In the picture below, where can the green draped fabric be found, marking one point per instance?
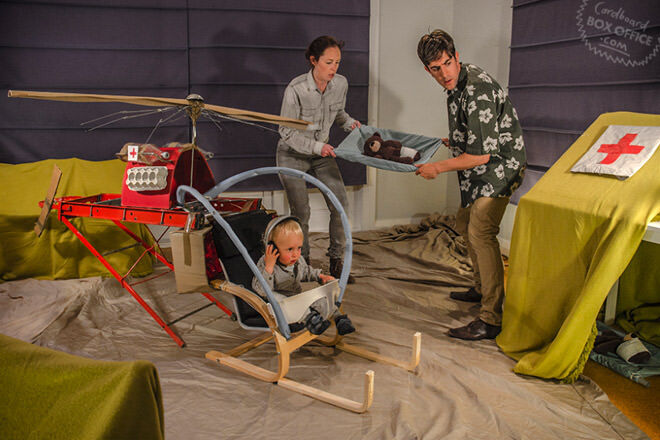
(573, 236)
(638, 308)
(48, 394)
(58, 254)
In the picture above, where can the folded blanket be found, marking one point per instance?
(638, 308)
(55, 395)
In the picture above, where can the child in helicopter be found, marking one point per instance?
(284, 269)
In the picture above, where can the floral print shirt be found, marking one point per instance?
(482, 120)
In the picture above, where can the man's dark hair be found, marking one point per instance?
(320, 44)
(431, 46)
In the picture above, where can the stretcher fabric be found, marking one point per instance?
(352, 147)
(573, 236)
(58, 254)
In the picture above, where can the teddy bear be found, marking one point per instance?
(392, 150)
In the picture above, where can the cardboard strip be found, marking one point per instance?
(48, 201)
(187, 259)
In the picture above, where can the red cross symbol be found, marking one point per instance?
(133, 151)
(613, 151)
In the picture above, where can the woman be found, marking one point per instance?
(318, 96)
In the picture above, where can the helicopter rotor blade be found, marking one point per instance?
(246, 115)
(90, 97)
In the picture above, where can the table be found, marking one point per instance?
(652, 235)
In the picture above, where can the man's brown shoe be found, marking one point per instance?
(470, 296)
(476, 330)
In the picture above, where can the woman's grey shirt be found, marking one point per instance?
(303, 100)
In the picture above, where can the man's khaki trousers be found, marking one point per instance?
(479, 224)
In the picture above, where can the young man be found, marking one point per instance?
(485, 139)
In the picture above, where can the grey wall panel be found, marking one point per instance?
(571, 61)
(234, 53)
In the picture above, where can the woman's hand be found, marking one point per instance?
(445, 141)
(356, 124)
(328, 150)
(270, 258)
(326, 278)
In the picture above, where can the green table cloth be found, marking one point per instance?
(48, 394)
(573, 236)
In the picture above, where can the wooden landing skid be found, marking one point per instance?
(285, 348)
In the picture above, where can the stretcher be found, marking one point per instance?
(352, 147)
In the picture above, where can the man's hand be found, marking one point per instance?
(326, 278)
(356, 124)
(270, 258)
(427, 170)
(328, 150)
(445, 142)
(463, 162)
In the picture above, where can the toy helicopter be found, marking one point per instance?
(173, 186)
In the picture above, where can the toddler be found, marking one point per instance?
(284, 269)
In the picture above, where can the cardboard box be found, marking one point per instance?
(188, 253)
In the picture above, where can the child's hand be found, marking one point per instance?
(270, 257)
(326, 278)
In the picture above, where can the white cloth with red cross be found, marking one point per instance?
(620, 151)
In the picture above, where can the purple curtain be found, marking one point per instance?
(572, 60)
(234, 53)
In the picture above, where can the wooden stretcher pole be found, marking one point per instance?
(333, 399)
(284, 355)
(284, 349)
(335, 340)
(254, 343)
(364, 353)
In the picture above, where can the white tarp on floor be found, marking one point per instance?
(460, 390)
